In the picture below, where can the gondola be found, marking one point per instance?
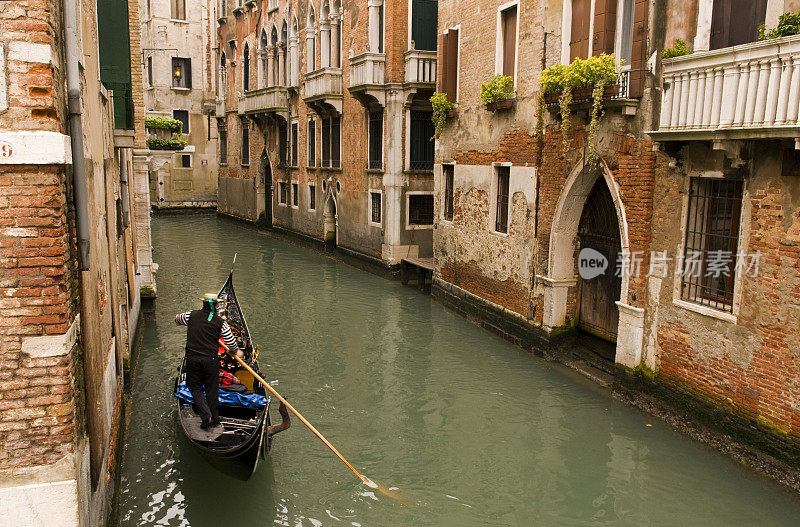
(245, 434)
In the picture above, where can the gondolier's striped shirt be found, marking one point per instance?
(226, 334)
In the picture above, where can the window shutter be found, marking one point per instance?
(605, 23)
(735, 22)
(639, 48)
(424, 21)
(451, 88)
(579, 33)
(444, 63)
(509, 40)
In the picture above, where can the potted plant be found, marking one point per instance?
(442, 109)
(498, 93)
(166, 133)
(581, 81)
(788, 24)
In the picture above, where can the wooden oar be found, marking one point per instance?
(368, 482)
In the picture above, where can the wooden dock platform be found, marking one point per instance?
(423, 267)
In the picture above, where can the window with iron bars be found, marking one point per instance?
(447, 175)
(331, 147)
(376, 140)
(223, 146)
(375, 198)
(295, 195)
(295, 146)
(712, 239)
(420, 209)
(312, 143)
(501, 215)
(422, 131)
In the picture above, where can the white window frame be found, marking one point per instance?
(618, 34)
(493, 199)
(458, 65)
(312, 163)
(409, 226)
(369, 206)
(498, 46)
(443, 189)
(309, 186)
(279, 194)
(295, 184)
(566, 29)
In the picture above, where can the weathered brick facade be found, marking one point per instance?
(343, 201)
(64, 327)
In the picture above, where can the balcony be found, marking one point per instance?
(420, 68)
(324, 87)
(750, 91)
(219, 110)
(265, 100)
(367, 76)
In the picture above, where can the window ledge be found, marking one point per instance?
(178, 21)
(414, 227)
(705, 310)
(222, 164)
(282, 204)
(178, 88)
(498, 233)
(418, 172)
(331, 169)
(374, 171)
(246, 165)
(376, 225)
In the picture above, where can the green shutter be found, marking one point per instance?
(424, 22)
(115, 58)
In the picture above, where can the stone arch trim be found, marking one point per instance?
(567, 215)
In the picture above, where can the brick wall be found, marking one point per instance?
(37, 297)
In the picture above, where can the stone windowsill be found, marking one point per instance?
(705, 310)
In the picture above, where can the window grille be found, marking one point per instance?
(501, 216)
(422, 145)
(376, 207)
(447, 172)
(223, 146)
(295, 154)
(312, 197)
(312, 143)
(420, 209)
(245, 143)
(295, 197)
(712, 238)
(376, 140)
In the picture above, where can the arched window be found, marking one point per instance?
(283, 70)
(311, 51)
(273, 58)
(325, 35)
(223, 77)
(294, 54)
(262, 59)
(336, 35)
(246, 68)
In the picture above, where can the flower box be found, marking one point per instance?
(505, 104)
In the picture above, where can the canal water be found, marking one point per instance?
(470, 429)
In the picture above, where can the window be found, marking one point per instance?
(312, 196)
(450, 64)
(150, 71)
(181, 73)
(331, 127)
(295, 149)
(245, 143)
(223, 146)
(246, 68)
(380, 28)
(283, 193)
(421, 140)
(712, 240)
(420, 209)
(295, 196)
(625, 38)
(508, 35)
(424, 20)
(447, 176)
(501, 214)
(375, 209)
(736, 22)
(376, 140)
(178, 11)
(185, 161)
(223, 77)
(183, 117)
(312, 143)
(283, 145)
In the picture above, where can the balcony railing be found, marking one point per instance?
(264, 100)
(323, 82)
(367, 69)
(220, 108)
(420, 67)
(746, 91)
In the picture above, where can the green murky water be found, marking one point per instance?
(471, 430)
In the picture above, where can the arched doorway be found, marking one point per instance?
(330, 222)
(266, 178)
(598, 230)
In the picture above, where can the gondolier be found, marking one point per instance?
(204, 329)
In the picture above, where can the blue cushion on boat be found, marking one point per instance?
(226, 398)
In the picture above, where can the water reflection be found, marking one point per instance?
(472, 430)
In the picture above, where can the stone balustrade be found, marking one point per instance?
(323, 82)
(367, 69)
(741, 92)
(420, 67)
(264, 100)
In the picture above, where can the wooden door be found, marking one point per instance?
(579, 34)
(598, 312)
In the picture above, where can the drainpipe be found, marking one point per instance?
(76, 133)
